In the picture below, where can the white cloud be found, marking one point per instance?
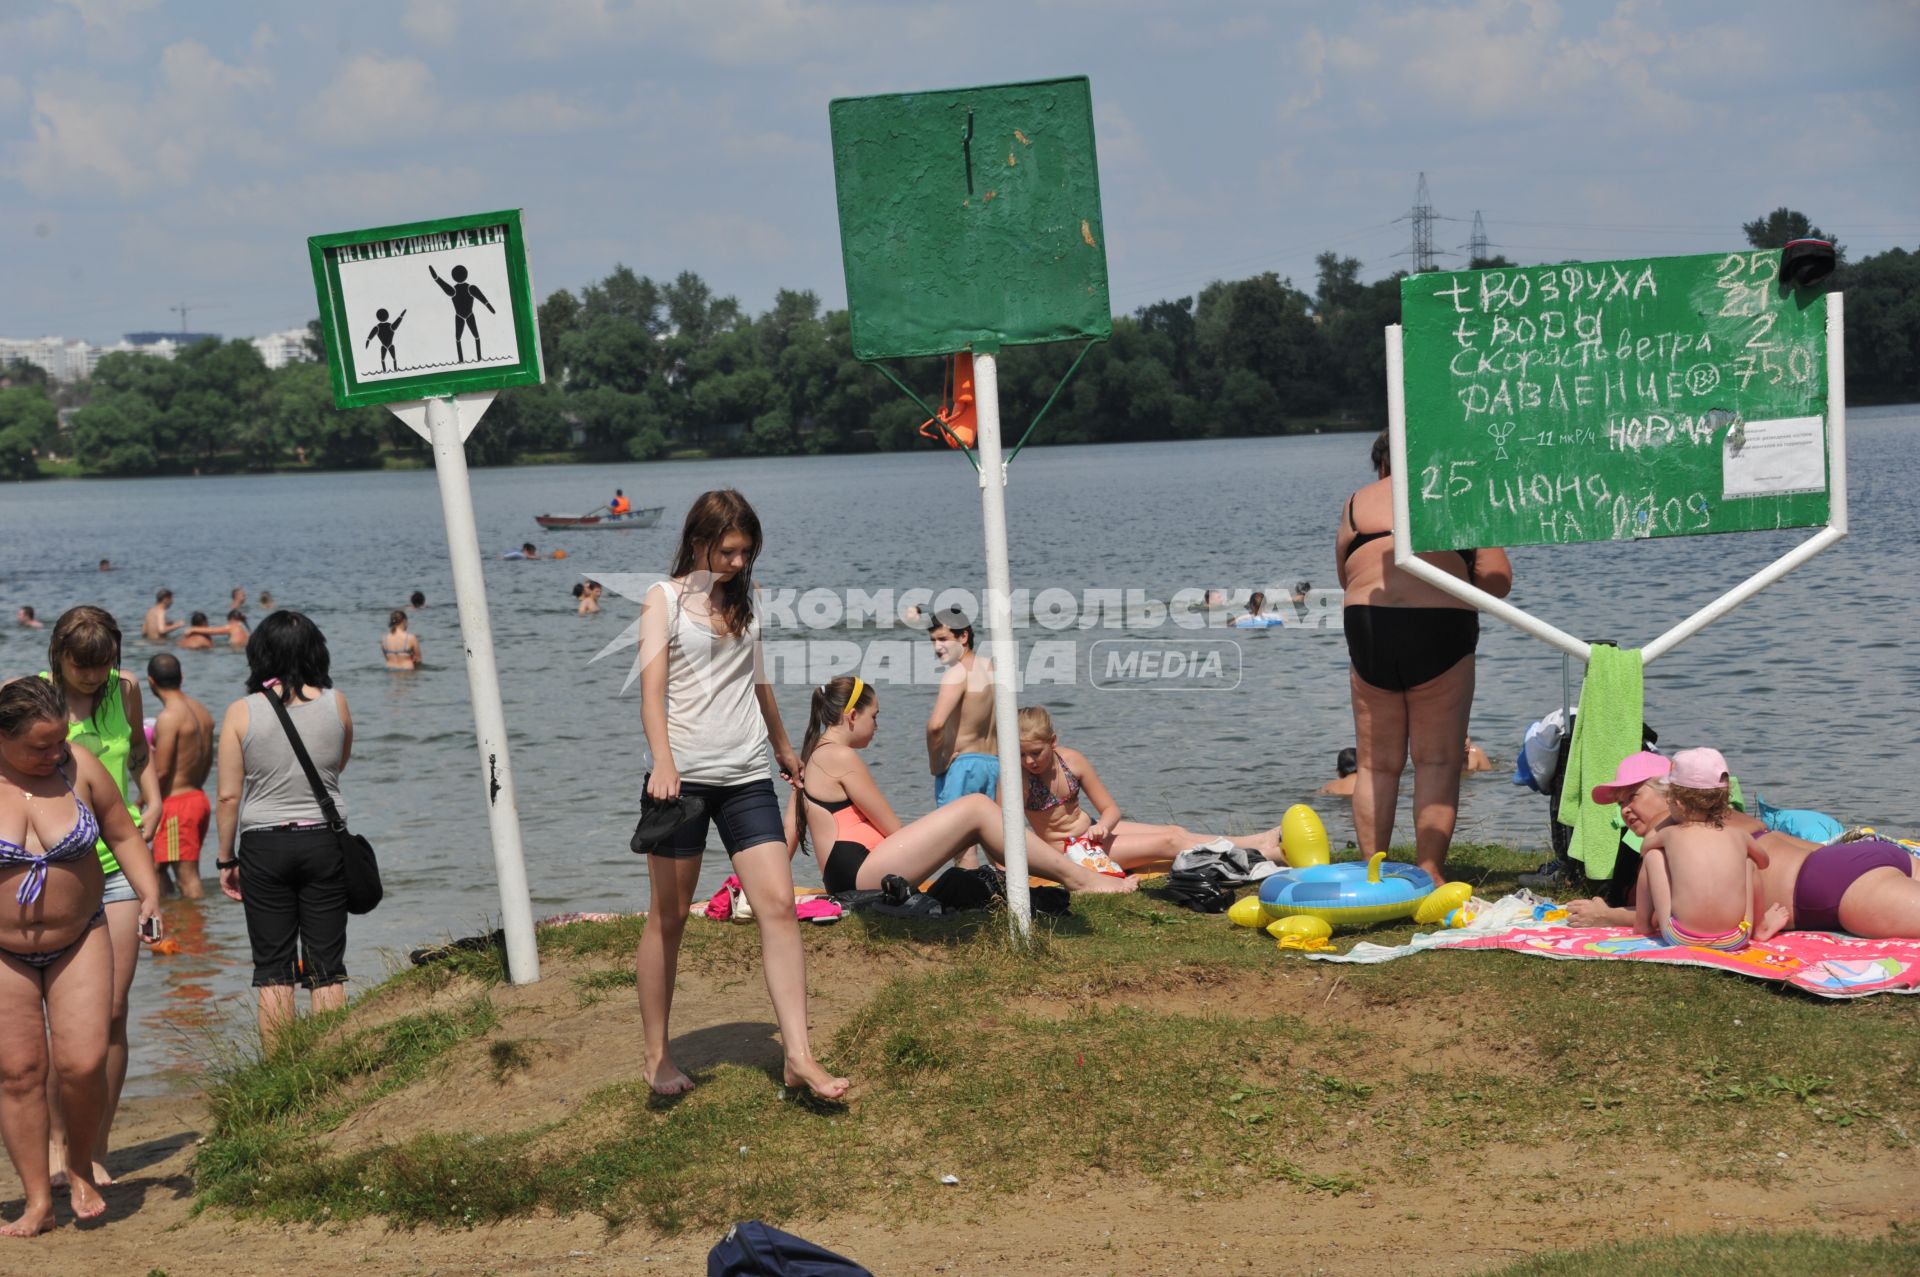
(374, 99)
(108, 13)
(88, 133)
(435, 21)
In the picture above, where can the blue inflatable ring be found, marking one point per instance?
(1258, 623)
(1347, 894)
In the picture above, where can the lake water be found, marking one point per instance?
(1804, 688)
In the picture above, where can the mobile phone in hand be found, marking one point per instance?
(150, 928)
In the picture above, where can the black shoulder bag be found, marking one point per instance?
(362, 870)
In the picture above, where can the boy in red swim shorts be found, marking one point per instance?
(182, 757)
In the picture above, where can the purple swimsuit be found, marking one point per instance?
(1827, 873)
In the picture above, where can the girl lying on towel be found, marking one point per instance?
(1057, 778)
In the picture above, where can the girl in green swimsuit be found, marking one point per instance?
(104, 717)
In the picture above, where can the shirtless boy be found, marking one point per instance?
(962, 751)
(195, 639)
(182, 756)
(156, 627)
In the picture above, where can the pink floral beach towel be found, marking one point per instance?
(1822, 963)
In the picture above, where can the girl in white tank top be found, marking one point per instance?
(709, 721)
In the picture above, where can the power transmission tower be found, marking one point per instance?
(1477, 246)
(1422, 217)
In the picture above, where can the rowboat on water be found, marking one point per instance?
(600, 522)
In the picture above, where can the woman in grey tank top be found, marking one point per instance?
(277, 855)
(709, 722)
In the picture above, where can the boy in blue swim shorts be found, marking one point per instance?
(962, 751)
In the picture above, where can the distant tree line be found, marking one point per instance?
(641, 369)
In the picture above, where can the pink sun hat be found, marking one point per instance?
(1699, 769)
(1633, 769)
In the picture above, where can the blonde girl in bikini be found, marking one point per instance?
(1057, 778)
(853, 829)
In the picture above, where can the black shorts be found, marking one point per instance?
(747, 815)
(1395, 648)
(293, 886)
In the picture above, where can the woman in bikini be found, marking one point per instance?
(56, 963)
(859, 840)
(1057, 778)
(401, 649)
(1412, 648)
(709, 719)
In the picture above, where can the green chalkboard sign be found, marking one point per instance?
(970, 217)
(1611, 401)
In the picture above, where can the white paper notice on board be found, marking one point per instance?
(1774, 458)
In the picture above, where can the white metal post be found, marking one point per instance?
(1004, 649)
(483, 682)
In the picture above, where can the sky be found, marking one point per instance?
(155, 155)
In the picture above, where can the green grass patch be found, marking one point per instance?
(1131, 1038)
(1751, 1254)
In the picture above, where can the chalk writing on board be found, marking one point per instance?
(1592, 401)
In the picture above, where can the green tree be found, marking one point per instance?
(28, 424)
(1783, 224)
(1883, 327)
(115, 434)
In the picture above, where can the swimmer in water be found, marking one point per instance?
(588, 592)
(385, 331)
(1346, 766)
(26, 619)
(1477, 760)
(156, 628)
(1254, 604)
(464, 295)
(195, 639)
(417, 601)
(235, 629)
(401, 649)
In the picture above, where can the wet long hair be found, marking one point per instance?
(709, 519)
(829, 707)
(85, 635)
(289, 647)
(26, 701)
(1382, 455)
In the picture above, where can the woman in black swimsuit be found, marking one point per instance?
(1412, 682)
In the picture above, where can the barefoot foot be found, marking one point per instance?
(1107, 884)
(86, 1199)
(666, 1079)
(101, 1179)
(810, 1074)
(1772, 923)
(33, 1221)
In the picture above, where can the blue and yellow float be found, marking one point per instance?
(1348, 894)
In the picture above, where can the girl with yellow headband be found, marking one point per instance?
(853, 829)
(709, 721)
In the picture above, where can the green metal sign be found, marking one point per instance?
(426, 309)
(970, 217)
